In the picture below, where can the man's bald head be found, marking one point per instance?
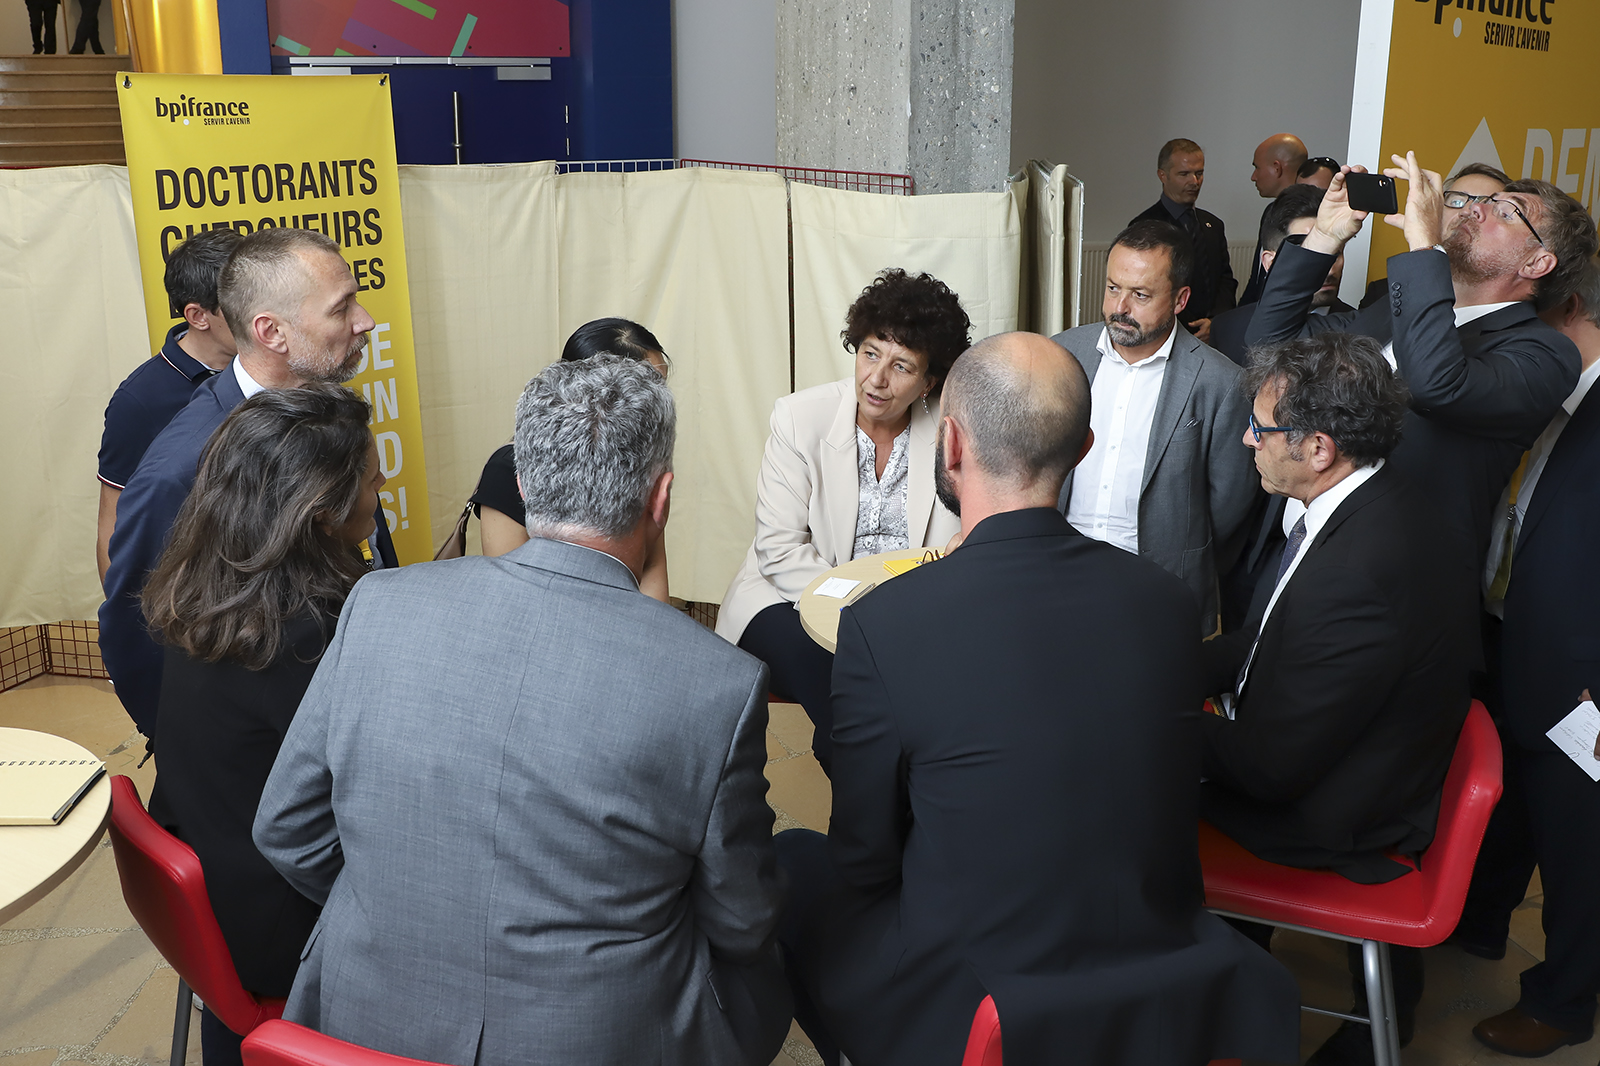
(1023, 403)
(1277, 163)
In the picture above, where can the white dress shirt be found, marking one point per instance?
(1316, 517)
(1507, 524)
(1105, 487)
(247, 384)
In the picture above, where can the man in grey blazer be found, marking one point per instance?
(530, 799)
(1167, 477)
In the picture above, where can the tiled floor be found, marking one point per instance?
(80, 983)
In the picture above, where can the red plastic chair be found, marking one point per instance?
(166, 891)
(280, 1043)
(1412, 911)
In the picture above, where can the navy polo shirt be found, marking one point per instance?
(144, 403)
(145, 513)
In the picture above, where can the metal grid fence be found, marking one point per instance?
(853, 180)
(68, 649)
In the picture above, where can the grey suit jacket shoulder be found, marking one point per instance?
(533, 803)
(1199, 478)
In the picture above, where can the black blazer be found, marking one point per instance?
(1550, 643)
(222, 726)
(1349, 718)
(1480, 394)
(1014, 769)
(1212, 287)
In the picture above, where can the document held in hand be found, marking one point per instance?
(1575, 734)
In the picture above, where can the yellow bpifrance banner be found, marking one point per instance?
(1510, 83)
(253, 152)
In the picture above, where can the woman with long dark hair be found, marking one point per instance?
(246, 597)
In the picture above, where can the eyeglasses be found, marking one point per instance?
(1257, 428)
(1458, 200)
(1317, 162)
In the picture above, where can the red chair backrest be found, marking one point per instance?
(1471, 789)
(166, 891)
(283, 1043)
(983, 1042)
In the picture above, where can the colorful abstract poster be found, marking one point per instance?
(523, 28)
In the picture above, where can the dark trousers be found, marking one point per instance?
(42, 22)
(802, 671)
(219, 1045)
(1405, 967)
(88, 29)
(1563, 813)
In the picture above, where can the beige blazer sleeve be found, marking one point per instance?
(806, 498)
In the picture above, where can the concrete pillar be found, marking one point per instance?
(908, 86)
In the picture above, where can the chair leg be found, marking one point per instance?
(1380, 1003)
(180, 1024)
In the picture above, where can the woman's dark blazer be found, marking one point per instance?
(221, 727)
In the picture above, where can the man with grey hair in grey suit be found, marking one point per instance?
(530, 799)
(1167, 477)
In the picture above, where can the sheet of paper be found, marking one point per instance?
(1575, 735)
(837, 587)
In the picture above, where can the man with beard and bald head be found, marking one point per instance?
(1166, 478)
(1015, 781)
(1459, 326)
(290, 301)
(1274, 167)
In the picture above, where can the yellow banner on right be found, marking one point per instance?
(1511, 83)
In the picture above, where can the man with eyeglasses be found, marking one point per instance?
(1274, 167)
(1344, 694)
(1459, 326)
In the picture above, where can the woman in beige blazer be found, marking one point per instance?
(848, 471)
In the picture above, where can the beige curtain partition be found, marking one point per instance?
(71, 328)
(970, 241)
(505, 261)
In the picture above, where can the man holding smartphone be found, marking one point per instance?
(1485, 373)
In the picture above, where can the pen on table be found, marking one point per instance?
(857, 594)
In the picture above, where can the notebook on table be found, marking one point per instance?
(44, 791)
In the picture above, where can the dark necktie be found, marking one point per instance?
(1297, 537)
(1191, 223)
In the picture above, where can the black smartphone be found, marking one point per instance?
(1372, 192)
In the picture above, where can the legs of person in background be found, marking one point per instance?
(1558, 994)
(219, 1045)
(813, 885)
(42, 23)
(802, 670)
(88, 29)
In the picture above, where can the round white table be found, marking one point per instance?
(819, 615)
(36, 858)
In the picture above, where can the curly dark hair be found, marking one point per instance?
(920, 313)
(1334, 383)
